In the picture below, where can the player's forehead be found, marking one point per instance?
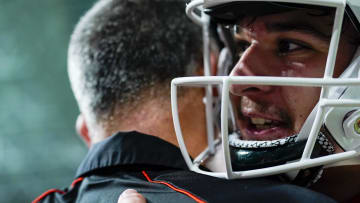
(308, 21)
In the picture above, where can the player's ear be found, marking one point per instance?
(82, 130)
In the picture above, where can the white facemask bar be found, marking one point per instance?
(208, 99)
(324, 102)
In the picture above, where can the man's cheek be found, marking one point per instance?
(300, 102)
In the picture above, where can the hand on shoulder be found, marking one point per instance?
(131, 196)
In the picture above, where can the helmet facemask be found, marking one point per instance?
(258, 138)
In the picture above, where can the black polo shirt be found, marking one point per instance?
(157, 170)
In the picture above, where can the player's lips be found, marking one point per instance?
(257, 126)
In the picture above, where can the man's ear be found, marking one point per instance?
(82, 130)
(213, 66)
(214, 63)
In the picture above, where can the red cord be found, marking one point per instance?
(47, 193)
(76, 181)
(56, 190)
(198, 200)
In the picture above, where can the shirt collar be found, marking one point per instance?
(126, 148)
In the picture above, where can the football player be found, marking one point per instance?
(287, 84)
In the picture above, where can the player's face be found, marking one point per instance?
(292, 44)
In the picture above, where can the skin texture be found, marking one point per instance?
(292, 44)
(153, 116)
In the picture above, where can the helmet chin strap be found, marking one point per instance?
(309, 176)
(248, 155)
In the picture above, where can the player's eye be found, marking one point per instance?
(290, 46)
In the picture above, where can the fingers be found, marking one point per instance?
(131, 196)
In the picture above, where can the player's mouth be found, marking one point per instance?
(256, 127)
(259, 128)
(259, 121)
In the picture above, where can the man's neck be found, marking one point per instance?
(341, 182)
(152, 117)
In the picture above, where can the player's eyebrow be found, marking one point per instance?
(297, 27)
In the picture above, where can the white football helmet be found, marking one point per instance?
(335, 116)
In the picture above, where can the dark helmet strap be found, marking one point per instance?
(309, 176)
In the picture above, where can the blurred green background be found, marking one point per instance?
(39, 148)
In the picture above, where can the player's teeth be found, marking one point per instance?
(260, 121)
(262, 127)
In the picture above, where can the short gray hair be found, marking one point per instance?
(122, 47)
